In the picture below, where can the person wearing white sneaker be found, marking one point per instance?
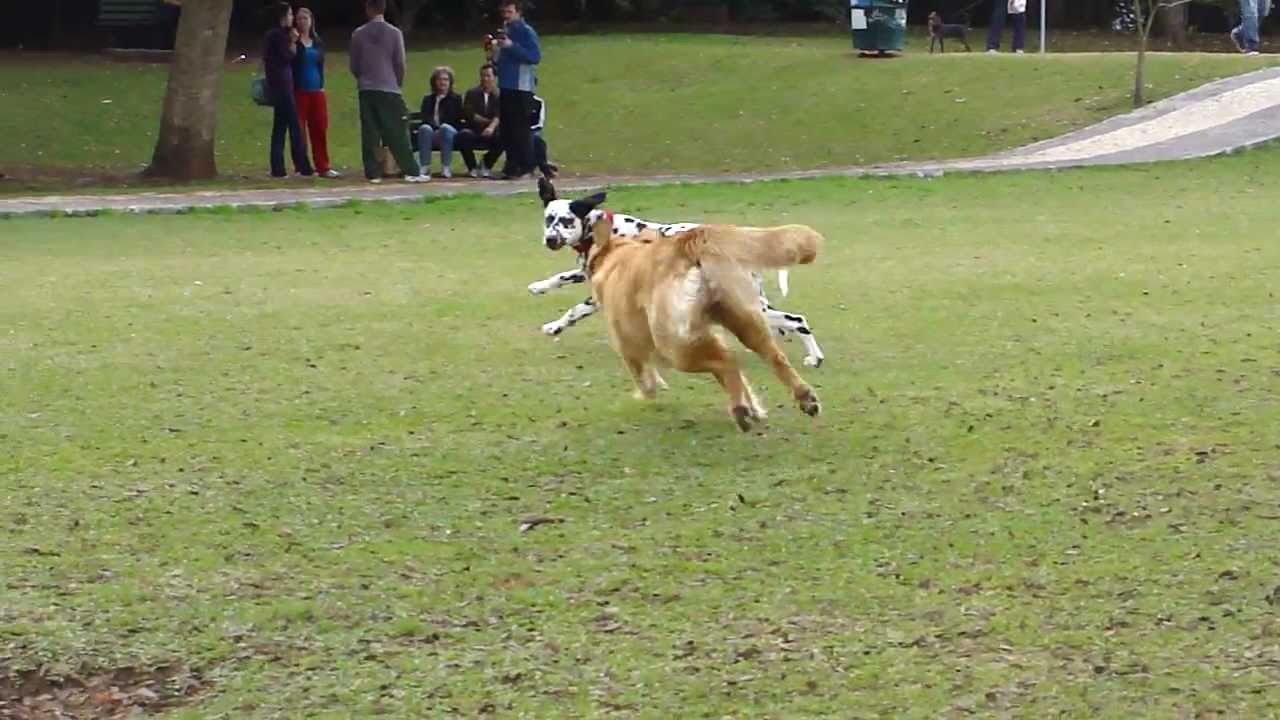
(377, 60)
(480, 115)
(441, 118)
(308, 90)
(1247, 35)
(1015, 11)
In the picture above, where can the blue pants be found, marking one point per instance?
(999, 12)
(1249, 30)
(285, 120)
(441, 139)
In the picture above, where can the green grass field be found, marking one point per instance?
(287, 456)
(622, 105)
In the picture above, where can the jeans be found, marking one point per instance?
(285, 120)
(999, 13)
(430, 138)
(1251, 14)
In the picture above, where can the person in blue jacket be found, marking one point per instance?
(516, 52)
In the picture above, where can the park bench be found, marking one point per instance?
(128, 13)
(414, 120)
(137, 23)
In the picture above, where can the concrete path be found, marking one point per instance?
(1221, 117)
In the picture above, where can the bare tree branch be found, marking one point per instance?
(1144, 22)
(1147, 20)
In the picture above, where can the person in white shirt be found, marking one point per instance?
(1016, 13)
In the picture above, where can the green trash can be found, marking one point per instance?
(879, 26)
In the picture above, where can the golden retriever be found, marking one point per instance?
(663, 301)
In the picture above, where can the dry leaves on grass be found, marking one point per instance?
(123, 693)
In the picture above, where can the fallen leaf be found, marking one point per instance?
(529, 523)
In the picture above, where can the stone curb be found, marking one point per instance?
(1233, 136)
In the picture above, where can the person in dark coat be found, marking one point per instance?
(441, 121)
(278, 50)
(480, 115)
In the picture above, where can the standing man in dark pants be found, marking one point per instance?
(516, 51)
(377, 61)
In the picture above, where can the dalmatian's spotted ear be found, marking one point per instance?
(546, 191)
(586, 205)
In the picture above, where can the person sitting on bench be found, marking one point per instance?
(480, 115)
(441, 119)
(537, 122)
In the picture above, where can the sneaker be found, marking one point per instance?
(484, 170)
(446, 172)
(417, 178)
(1236, 40)
(375, 181)
(1251, 53)
(1019, 52)
(331, 173)
(474, 172)
(993, 51)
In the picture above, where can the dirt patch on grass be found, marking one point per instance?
(120, 693)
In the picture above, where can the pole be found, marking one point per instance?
(1042, 27)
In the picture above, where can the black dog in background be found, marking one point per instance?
(940, 31)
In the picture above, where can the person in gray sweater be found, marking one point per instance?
(377, 61)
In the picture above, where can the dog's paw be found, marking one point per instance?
(539, 288)
(552, 328)
(808, 402)
(813, 361)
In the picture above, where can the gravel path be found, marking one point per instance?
(1221, 117)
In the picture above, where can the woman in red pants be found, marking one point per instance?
(308, 84)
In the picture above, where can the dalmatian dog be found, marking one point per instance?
(568, 224)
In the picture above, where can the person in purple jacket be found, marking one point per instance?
(278, 50)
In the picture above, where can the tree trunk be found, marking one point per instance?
(1138, 80)
(184, 149)
(1057, 12)
(408, 19)
(473, 18)
(1173, 25)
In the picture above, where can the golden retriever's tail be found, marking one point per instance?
(728, 255)
(750, 248)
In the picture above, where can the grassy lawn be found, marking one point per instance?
(287, 457)
(622, 105)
